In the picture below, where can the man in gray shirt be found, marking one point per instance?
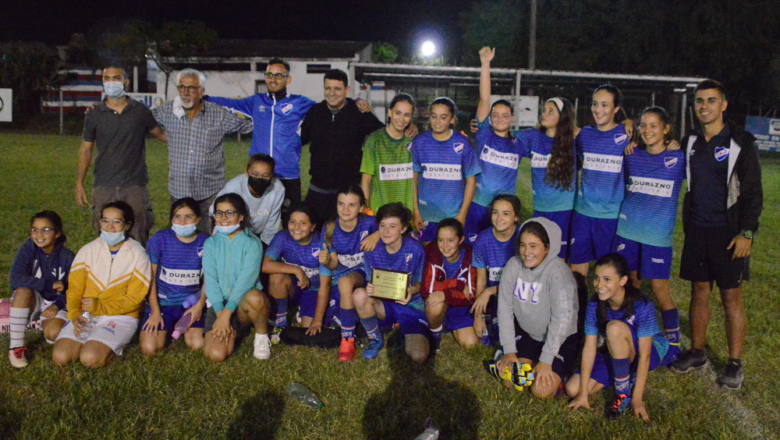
(195, 130)
(118, 128)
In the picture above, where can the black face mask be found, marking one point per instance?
(258, 185)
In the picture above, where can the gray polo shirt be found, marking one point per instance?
(120, 140)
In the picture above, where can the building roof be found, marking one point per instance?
(287, 49)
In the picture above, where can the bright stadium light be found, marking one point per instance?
(428, 48)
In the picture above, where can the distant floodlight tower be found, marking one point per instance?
(428, 49)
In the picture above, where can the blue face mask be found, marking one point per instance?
(114, 89)
(112, 238)
(184, 230)
(227, 230)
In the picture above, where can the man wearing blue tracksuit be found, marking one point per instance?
(277, 116)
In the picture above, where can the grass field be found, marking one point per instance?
(179, 394)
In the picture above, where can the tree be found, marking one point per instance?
(138, 41)
(384, 53)
(29, 68)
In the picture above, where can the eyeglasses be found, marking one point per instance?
(108, 222)
(226, 214)
(44, 231)
(188, 89)
(269, 75)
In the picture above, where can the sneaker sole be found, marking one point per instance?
(729, 387)
(689, 369)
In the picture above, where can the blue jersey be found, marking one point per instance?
(547, 198)
(283, 247)
(347, 245)
(602, 186)
(410, 258)
(451, 270)
(492, 255)
(649, 211)
(443, 167)
(179, 266)
(499, 158)
(642, 323)
(276, 125)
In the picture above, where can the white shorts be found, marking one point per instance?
(114, 331)
(42, 304)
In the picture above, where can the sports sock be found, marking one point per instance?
(671, 320)
(18, 320)
(371, 324)
(622, 376)
(281, 312)
(437, 332)
(349, 318)
(737, 362)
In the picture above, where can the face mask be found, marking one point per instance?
(227, 230)
(114, 89)
(258, 185)
(112, 238)
(184, 230)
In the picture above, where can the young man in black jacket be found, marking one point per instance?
(336, 129)
(720, 217)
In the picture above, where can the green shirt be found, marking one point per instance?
(389, 163)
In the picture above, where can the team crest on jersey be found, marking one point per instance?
(315, 252)
(721, 153)
(630, 321)
(287, 108)
(458, 147)
(200, 251)
(620, 138)
(472, 237)
(409, 257)
(621, 247)
(363, 235)
(485, 150)
(409, 146)
(670, 162)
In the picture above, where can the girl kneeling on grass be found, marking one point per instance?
(626, 319)
(175, 255)
(345, 239)
(39, 279)
(537, 308)
(231, 268)
(396, 252)
(109, 279)
(292, 260)
(449, 284)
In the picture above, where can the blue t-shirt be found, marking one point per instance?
(443, 167)
(499, 158)
(451, 270)
(492, 255)
(284, 247)
(347, 245)
(410, 258)
(602, 186)
(179, 266)
(547, 198)
(642, 323)
(649, 211)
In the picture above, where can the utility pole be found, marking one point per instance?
(532, 38)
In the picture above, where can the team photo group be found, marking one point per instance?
(405, 230)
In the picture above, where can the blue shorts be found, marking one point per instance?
(429, 232)
(602, 366)
(591, 238)
(563, 220)
(410, 320)
(171, 315)
(478, 219)
(456, 318)
(652, 262)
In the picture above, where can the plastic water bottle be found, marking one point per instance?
(431, 432)
(191, 300)
(182, 326)
(84, 335)
(304, 395)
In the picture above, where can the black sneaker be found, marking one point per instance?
(732, 377)
(619, 407)
(689, 361)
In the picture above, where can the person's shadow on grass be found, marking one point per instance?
(259, 418)
(414, 394)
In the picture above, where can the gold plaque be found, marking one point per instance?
(390, 284)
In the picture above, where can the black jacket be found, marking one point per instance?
(745, 199)
(336, 143)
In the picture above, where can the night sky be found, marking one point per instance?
(403, 23)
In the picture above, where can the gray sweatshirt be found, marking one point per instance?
(543, 300)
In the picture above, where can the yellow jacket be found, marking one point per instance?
(119, 286)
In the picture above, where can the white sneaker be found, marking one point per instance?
(17, 357)
(262, 347)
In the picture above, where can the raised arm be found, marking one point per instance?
(486, 55)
